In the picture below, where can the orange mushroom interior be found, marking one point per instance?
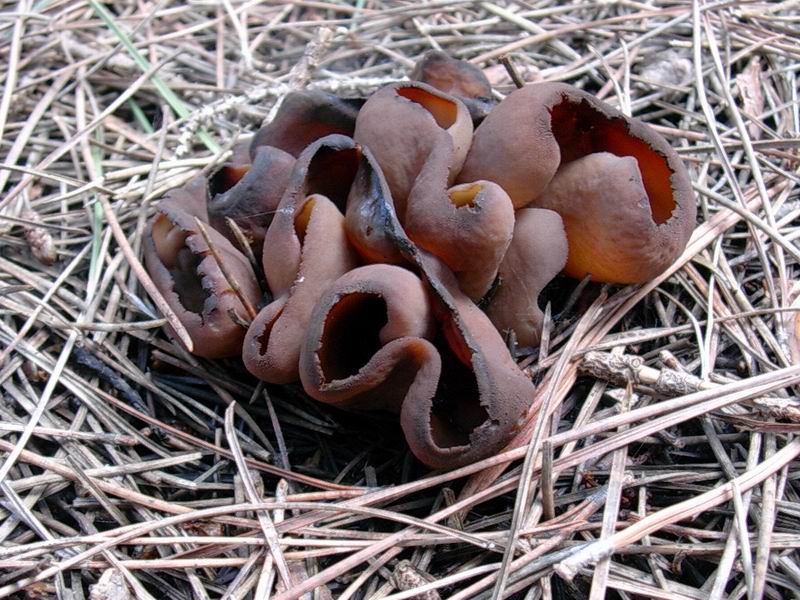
(181, 262)
(302, 219)
(464, 197)
(580, 129)
(442, 110)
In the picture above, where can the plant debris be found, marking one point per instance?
(618, 488)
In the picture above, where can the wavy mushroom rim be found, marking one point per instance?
(456, 77)
(404, 124)
(273, 342)
(361, 331)
(304, 117)
(583, 125)
(475, 407)
(333, 153)
(621, 189)
(183, 268)
(444, 110)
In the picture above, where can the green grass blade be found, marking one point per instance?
(169, 96)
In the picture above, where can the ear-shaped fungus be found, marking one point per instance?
(458, 78)
(367, 340)
(468, 226)
(305, 117)
(252, 200)
(305, 250)
(402, 124)
(372, 344)
(188, 276)
(624, 227)
(482, 396)
(538, 252)
(468, 395)
(621, 227)
(371, 221)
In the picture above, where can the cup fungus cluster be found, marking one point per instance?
(383, 224)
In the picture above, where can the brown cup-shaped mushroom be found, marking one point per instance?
(273, 341)
(538, 252)
(366, 339)
(515, 147)
(402, 124)
(482, 397)
(372, 343)
(328, 168)
(458, 78)
(251, 202)
(548, 127)
(468, 226)
(305, 250)
(189, 277)
(616, 233)
(305, 117)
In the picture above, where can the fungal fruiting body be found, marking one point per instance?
(381, 227)
(621, 190)
(403, 124)
(305, 250)
(188, 276)
(538, 252)
(379, 339)
(468, 226)
(304, 117)
(458, 78)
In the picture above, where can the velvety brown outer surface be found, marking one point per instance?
(471, 239)
(303, 118)
(538, 252)
(305, 250)
(252, 201)
(458, 78)
(514, 146)
(546, 127)
(213, 332)
(606, 214)
(501, 391)
(272, 344)
(402, 133)
(403, 356)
